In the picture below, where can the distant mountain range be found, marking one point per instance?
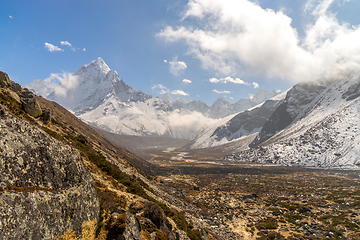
(315, 123)
(238, 125)
(221, 107)
(97, 95)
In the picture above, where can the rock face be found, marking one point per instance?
(293, 107)
(45, 189)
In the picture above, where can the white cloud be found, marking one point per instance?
(230, 37)
(10, 16)
(177, 67)
(179, 92)
(160, 86)
(251, 96)
(228, 79)
(165, 61)
(65, 43)
(84, 49)
(60, 83)
(50, 47)
(221, 92)
(256, 85)
(186, 81)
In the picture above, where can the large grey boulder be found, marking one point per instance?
(30, 104)
(45, 190)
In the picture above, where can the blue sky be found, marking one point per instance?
(200, 49)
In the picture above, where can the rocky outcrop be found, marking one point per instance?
(157, 216)
(45, 189)
(5, 82)
(30, 104)
(123, 225)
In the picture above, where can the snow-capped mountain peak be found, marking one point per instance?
(94, 71)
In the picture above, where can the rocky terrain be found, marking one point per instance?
(257, 202)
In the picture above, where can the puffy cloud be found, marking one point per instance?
(228, 79)
(10, 16)
(186, 81)
(59, 83)
(236, 36)
(165, 61)
(179, 92)
(256, 85)
(177, 67)
(221, 92)
(84, 49)
(50, 47)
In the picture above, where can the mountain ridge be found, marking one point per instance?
(315, 126)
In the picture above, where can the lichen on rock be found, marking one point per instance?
(45, 189)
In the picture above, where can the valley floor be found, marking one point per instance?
(268, 202)
(257, 201)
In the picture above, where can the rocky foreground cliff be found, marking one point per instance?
(61, 180)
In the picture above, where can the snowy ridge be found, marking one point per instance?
(322, 131)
